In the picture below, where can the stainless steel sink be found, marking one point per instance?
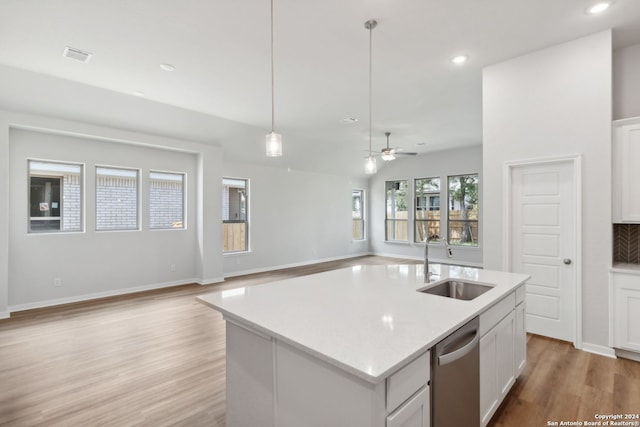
(458, 289)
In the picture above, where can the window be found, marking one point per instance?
(55, 197)
(235, 208)
(357, 207)
(463, 210)
(396, 212)
(166, 200)
(427, 213)
(116, 199)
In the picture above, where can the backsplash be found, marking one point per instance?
(626, 243)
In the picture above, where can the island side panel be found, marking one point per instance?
(250, 379)
(313, 393)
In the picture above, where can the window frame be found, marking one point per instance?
(60, 176)
(394, 220)
(362, 217)
(184, 199)
(246, 221)
(138, 174)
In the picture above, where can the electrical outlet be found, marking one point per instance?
(173, 267)
(57, 282)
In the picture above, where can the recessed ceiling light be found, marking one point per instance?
(599, 7)
(139, 94)
(349, 120)
(460, 59)
(167, 67)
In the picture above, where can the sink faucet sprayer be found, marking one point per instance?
(447, 248)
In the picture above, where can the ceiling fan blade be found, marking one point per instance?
(405, 153)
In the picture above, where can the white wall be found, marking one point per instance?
(556, 102)
(92, 264)
(442, 164)
(295, 218)
(626, 82)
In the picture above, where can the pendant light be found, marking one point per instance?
(370, 166)
(274, 140)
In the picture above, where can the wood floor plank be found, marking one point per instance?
(157, 358)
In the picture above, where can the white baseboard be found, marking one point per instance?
(97, 295)
(205, 282)
(295, 264)
(599, 349)
(628, 354)
(5, 314)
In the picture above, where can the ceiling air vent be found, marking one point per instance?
(76, 54)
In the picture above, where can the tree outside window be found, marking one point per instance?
(427, 209)
(463, 210)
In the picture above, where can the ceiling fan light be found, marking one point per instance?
(387, 156)
(370, 167)
(274, 144)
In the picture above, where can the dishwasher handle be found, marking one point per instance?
(447, 358)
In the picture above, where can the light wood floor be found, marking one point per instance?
(157, 359)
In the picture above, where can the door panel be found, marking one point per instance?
(543, 235)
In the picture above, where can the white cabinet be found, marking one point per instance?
(270, 383)
(502, 351)
(414, 413)
(626, 311)
(626, 152)
(521, 339)
(497, 366)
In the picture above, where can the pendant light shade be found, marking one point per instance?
(274, 144)
(273, 139)
(370, 167)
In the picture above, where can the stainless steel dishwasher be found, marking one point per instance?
(455, 381)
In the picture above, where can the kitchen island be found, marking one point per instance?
(350, 347)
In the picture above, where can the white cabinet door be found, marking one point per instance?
(414, 413)
(520, 339)
(497, 366)
(488, 377)
(626, 151)
(627, 311)
(505, 354)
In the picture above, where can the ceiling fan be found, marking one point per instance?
(389, 153)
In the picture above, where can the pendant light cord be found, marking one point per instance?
(370, 80)
(272, 76)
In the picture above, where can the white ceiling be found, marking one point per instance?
(220, 90)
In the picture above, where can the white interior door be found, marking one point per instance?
(543, 234)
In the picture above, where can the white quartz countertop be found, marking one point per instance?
(367, 320)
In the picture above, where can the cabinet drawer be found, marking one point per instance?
(492, 316)
(413, 413)
(521, 294)
(404, 383)
(626, 281)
